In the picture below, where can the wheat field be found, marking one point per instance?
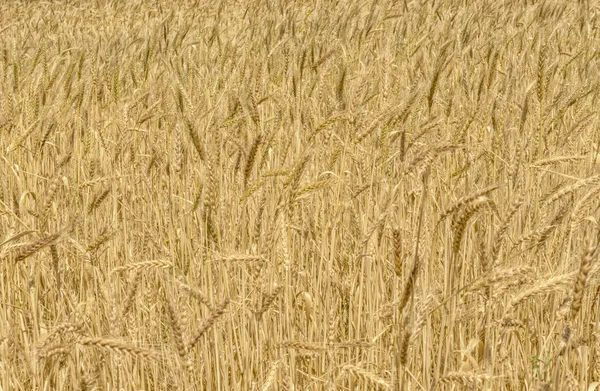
(316, 195)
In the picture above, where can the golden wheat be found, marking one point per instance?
(299, 195)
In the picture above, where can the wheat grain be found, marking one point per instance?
(464, 201)
(581, 279)
(208, 323)
(144, 265)
(33, 247)
(367, 375)
(118, 347)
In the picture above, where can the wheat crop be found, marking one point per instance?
(308, 195)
